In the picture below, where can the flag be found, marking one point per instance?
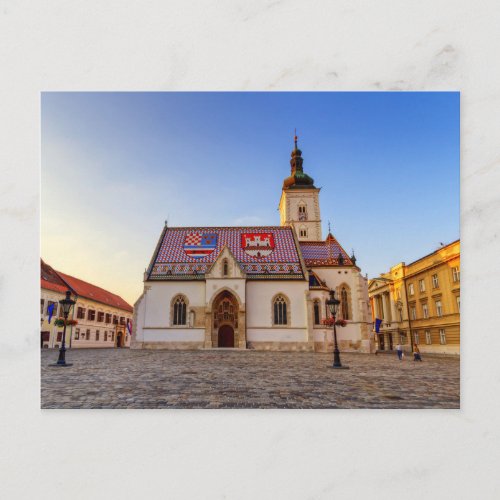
(129, 326)
(378, 322)
(50, 310)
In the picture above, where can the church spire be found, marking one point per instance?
(297, 179)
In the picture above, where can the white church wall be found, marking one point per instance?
(259, 305)
(159, 297)
(276, 335)
(174, 335)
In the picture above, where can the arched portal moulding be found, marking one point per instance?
(240, 340)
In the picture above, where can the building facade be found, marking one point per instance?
(103, 318)
(254, 287)
(420, 303)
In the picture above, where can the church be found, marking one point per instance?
(259, 287)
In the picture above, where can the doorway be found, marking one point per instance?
(119, 340)
(381, 341)
(226, 336)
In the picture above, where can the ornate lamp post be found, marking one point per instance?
(333, 305)
(66, 306)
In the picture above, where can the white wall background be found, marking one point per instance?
(240, 45)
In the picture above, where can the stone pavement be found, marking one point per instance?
(123, 378)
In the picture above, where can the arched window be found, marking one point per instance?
(302, 211)
(317, 317)
(303, 232)
(344, 303)
(280, 311)
(225, 266)
(179, 312)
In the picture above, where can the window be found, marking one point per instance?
(225, 271)
(413, 311)
(112, 336)
(302, 212)
(42, 302)
(88, 334)
(80, 313)
(442, 336)
(428, 338)
(458, 302)
(59, 336)
(105, 336)
(100, 317)
(402, 338)
(108, 318)
(280, 311)
(91, 315)
(411, 291)
(439, 308)
(317, 317)
(344, 304)
(77, 333)
(122, 320)
(115, 320)
(435, 281)
(455, 271)
(179, 311)
(54, 312)
(425, 310)
(303, 232)
(421, 285)
(416, 338)
(97, 335)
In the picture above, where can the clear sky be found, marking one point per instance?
(116, 165)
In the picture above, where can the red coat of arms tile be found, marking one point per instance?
(257, 244)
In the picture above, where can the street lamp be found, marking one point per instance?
(66, 306)
(333, 305)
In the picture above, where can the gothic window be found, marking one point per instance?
(303, 232)
(225, 271)
(179, 311)
(280, 311)
(302, 212)
(317, 317)
(345, 301)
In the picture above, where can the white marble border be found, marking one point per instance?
(241, 45)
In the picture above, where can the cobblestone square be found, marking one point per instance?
(123, 378)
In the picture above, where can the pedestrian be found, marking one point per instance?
(416, 353)
(399, 351)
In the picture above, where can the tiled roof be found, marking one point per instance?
(47, 285)
(89, 291)
(324, 253)
(262, 252)
(51, 279)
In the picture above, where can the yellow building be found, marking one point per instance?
(420, 303)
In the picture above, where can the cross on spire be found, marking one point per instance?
(295, 137)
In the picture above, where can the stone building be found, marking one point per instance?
(103, 318)
(420, 303)
(254, 287)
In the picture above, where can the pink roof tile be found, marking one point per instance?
(324, 253)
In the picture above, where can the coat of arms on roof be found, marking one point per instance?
(257, 244)
(200, 245)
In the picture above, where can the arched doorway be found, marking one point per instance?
(225, 310)
(119, 340)
(226, 336)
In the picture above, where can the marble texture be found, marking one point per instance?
(240, 45)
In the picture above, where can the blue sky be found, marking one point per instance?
(116, 165)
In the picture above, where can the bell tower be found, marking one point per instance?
(299, 203)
